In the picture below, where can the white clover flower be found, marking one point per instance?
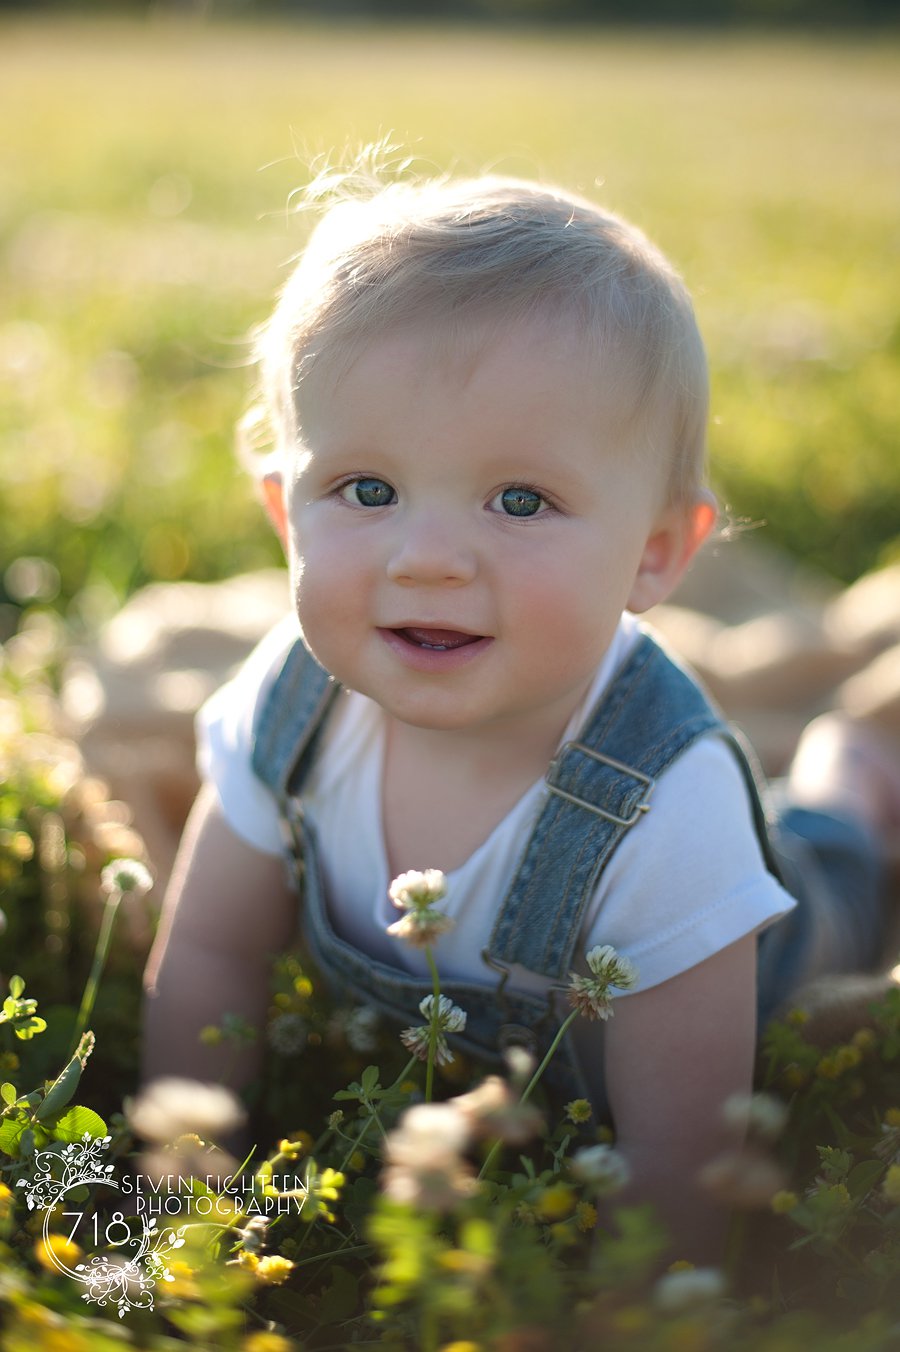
(288, 1034)
(747, 1178)
(590, 995)
(494, 1110)
(609, 966)
(677, 1291)
(424, 1160)
(450, 1018)
(760, 1115)
(428, 1133)
(169, 1108)
(421, 928)
(418, 1041)
(126, 876)
(429, 1189)
(601, 1165)
(416, 893)
(415, 890)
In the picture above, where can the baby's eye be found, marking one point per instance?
(368, 493)
(519, 501)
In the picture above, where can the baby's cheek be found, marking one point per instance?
(329, 601)
(572, 617)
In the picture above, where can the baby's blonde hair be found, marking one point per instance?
(454, 252)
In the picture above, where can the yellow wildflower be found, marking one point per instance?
(296, 1146)
(892, 1117)
(585, 1216)
(848, 1056)
(273, 1270)
(891, 1184)
(248, 1261)
(182, 1286)
(555, 1203)
(783, 1202)
(797, 1017)
(563, 1233)
(462, 1345)
(210, 1036)
(61, 1248)
(460, 1260)
(794, 1076)
(864, 1039)
(578, 1111)
(6, 1201)
(680, 1265)
(303, 987)
(260, 1341)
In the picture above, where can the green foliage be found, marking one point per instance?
(386, 1235)
(58, 830)
(37, 1120)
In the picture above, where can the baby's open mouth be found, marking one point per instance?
(440, 640)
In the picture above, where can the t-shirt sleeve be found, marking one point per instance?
(224, 729)
(689, 879)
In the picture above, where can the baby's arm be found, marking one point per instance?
(674, 1054)
(228, 909)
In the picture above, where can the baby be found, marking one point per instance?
(489, 403)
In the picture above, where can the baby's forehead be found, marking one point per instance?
(520, 365)
(463, 342)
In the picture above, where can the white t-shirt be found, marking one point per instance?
(687, 880)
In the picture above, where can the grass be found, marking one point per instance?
(145, 170)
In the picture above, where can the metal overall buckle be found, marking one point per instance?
(648, 782)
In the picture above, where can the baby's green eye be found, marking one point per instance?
(369, 493)
(519, 501)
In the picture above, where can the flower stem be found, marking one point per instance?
(434, 1025)
(93, 982)
(358, 1140)
(533, 1082)
(551, 1052)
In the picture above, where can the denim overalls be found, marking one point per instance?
(600, 785)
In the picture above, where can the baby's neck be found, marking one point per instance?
(444, 792)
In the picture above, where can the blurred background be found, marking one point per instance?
(147, 161)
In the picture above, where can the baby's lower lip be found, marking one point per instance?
(434, 650)
(440, 640)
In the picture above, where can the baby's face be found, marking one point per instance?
(465, 530)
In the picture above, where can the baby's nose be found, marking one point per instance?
(431, 550)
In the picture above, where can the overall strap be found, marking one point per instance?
(599, 787)
(292, 717)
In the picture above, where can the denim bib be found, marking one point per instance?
(600, 785)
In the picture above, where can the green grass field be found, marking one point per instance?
(145, 178)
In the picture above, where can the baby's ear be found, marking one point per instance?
(272, 486)
(677, 534)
